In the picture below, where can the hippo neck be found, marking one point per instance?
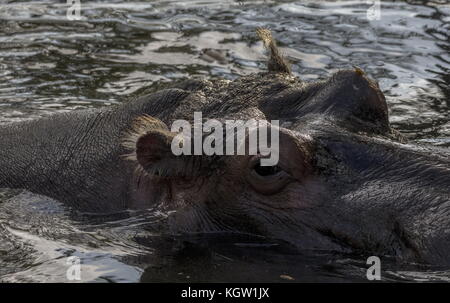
(60, 155)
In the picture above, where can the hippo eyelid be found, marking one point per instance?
(270, 183)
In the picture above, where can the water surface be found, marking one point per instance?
(119, 49)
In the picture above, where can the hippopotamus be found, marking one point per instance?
(346, 181)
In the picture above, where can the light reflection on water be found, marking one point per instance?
(38, 234)
(48, 64)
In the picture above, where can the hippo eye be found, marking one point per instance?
(267, 179)
(266, 170)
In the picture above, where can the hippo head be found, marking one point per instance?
(324, 192)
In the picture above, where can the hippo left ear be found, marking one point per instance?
(153, 152)
(150, 144)
(155, 156)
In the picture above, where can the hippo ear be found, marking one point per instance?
(156, 157)
(349, 97)
(155, 149)
(357, 101)
(153, 152)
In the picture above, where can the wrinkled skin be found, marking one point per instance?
(345, 181)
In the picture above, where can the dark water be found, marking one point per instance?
(121, 48)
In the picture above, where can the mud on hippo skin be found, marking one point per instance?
(344, 182)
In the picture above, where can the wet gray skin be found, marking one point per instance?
(345, 181)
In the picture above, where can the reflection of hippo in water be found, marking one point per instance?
(343, 181)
